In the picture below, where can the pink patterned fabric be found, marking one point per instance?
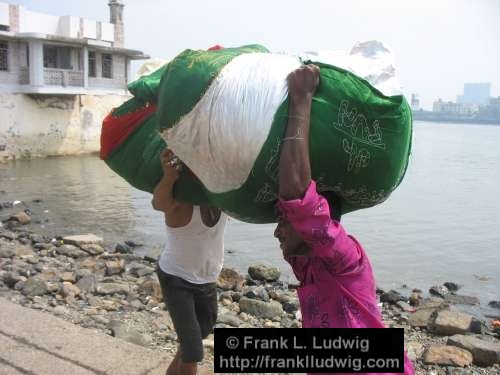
(337, 284)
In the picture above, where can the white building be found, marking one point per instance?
(45, 54)
(415, 102)
(59, 74)
(452, 108)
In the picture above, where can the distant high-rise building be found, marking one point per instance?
(475, 93)
(415, 102)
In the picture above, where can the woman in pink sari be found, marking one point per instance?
(337, 284)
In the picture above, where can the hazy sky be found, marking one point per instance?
(438, 44)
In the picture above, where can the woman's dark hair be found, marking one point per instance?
(334, 203)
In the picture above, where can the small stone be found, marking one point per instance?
(272, 324)
(392, 297)
(34, 286)
(21, 217)
(452, 287)
(207, 343)
(415, 298)
(439, 290)
(68, 276)
(122, 248)
(494, 304)
(150, 287)
(133, 244)
(291, 306)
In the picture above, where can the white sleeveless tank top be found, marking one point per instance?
(195, 252)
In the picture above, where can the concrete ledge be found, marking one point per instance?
(35, 342)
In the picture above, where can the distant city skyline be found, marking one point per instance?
(438, 44)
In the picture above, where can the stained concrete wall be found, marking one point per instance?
(37, 126)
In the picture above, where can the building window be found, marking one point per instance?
(4, 55)
(57, 57)
(107, 65)
(49, 57)
(92, 64)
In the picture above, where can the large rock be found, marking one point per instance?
(151, 287)
(229, 319)
(261, 309)
(230, 279)
(92, 248)
(35, 286)
(139, 269)
(447, 355)
(123, 331)
(264, 272)
(421, 317)
(112, 288)
(485, 353)
(84, 239)
(68, 289)
(291, 306)
(256, 292)
(458, 299)
(414, 350)
(115, 267)
(87, 283)
(11, 278)
(70, 251)
(450, 323)
(7, 251)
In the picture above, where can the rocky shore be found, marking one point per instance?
(111, 289)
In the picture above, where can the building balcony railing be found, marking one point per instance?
(24, 75)
(62, 77)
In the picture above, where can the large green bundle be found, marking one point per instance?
(223, 113)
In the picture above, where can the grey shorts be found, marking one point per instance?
(193, 309)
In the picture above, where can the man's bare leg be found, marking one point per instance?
(186, 368)
(173, 367)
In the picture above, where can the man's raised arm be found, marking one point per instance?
(294, 165)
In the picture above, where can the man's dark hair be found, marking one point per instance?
(334, 203)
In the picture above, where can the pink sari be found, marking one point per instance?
(337, 284)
